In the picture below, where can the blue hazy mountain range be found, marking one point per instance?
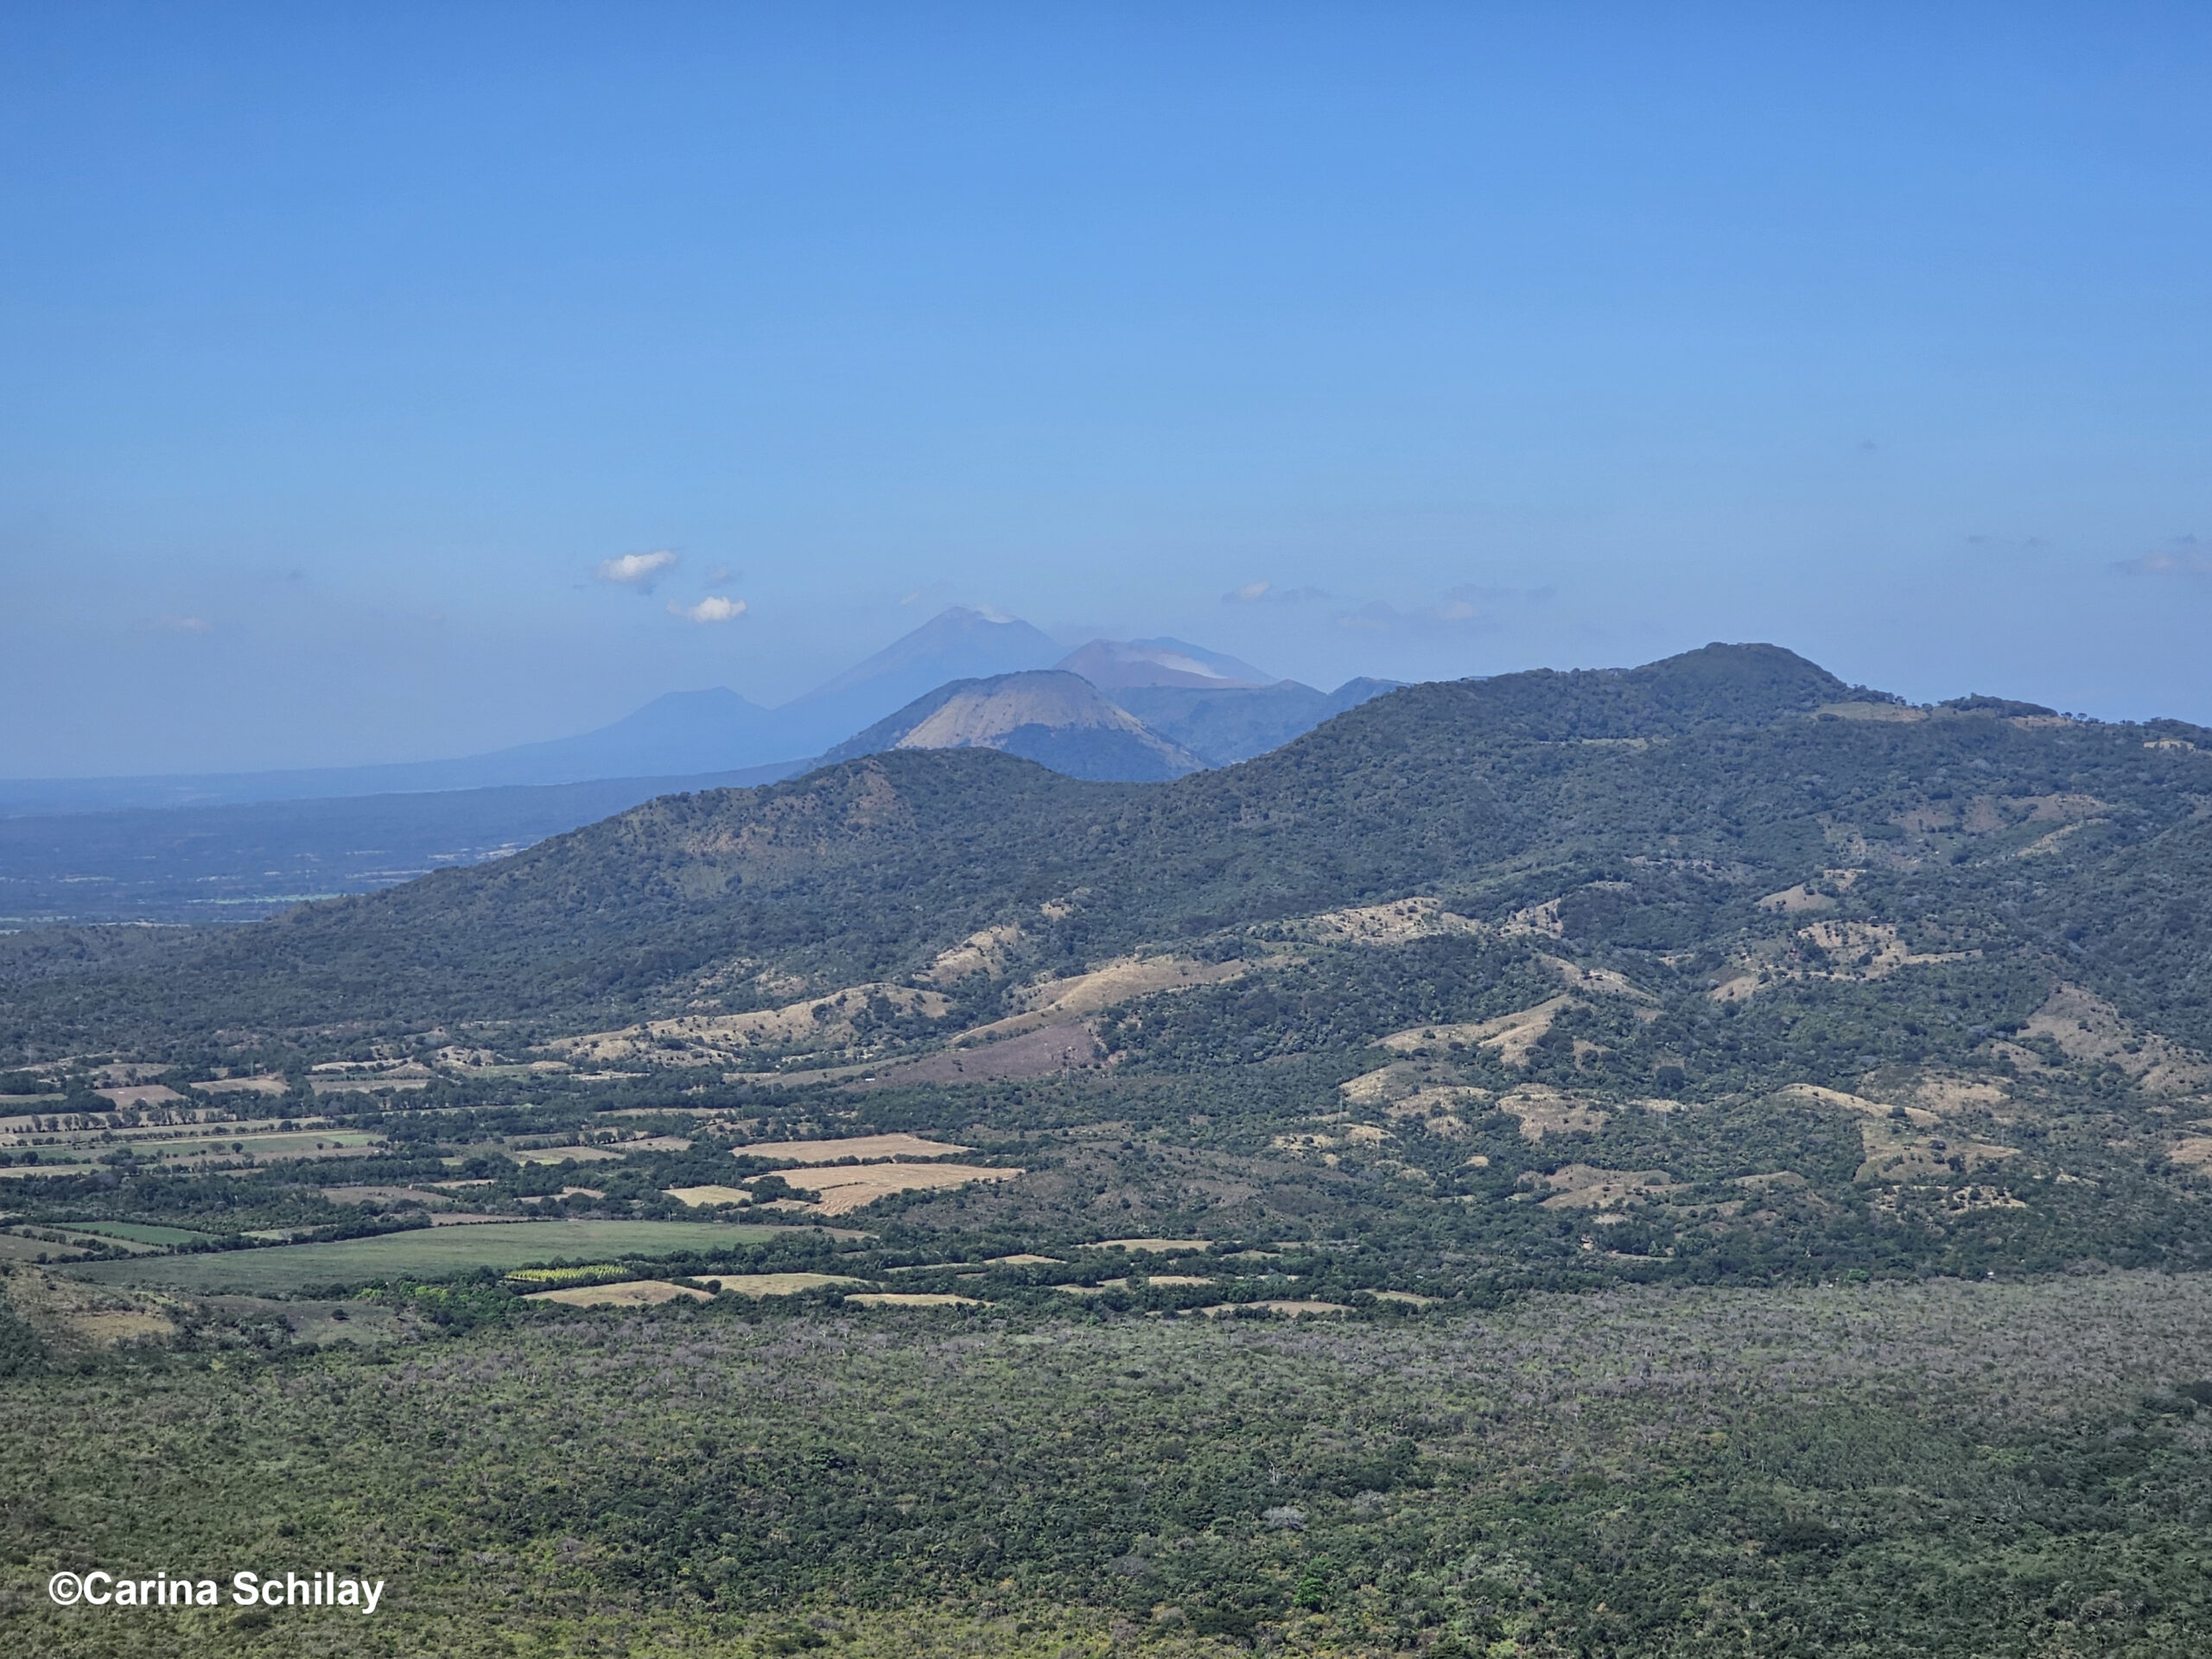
(237, 846)
(717, 731)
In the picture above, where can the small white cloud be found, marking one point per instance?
(721, 576)
(713, 608)
(171, 624)
(639, 570)
(1250, 594)
(2185, 559)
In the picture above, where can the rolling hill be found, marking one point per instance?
(1652, 809)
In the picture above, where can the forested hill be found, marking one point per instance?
(1653, 809)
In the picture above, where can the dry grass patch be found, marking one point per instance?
(1536, 919)
(1440, 1109)
(2087, 1027)
(1943, 1094)
(1900, 1143)
(1599, 981)
(1289, 1309)
(708, 1038)
(1894, 1154)
(697, 1196)
(914, 1299)
(1059, 1001)
(630, 1293)
(1397, 923)
(1856, 951)
(1919, 1116)
(1588, 1186)
(1792, 901)
(1773, 1181)
(979, 953)
(2193, 1153)
(1511, 1034)
(1389, 1082)
(841, 1189)
(1542, 1111)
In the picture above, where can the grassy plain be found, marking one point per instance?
(420, 1252)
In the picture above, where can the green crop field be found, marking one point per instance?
(423, 1252)
(141, 1232)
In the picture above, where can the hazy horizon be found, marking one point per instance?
(398, 384)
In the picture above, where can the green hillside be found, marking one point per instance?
(1685, 791)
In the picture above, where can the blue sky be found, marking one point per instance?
(341, 348)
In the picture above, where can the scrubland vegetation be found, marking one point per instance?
(1949, 1468)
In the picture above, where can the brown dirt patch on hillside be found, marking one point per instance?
(1046, 1051)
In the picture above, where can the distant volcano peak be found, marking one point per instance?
(1049, 715)
(1119, 665)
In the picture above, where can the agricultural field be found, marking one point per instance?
(840, 1189)
(418, 1253)
(143, 1232)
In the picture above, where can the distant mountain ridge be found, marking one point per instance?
(679, 734)
(1118, 665)
(1163, 683)
(1224, 725)
(1429, 784)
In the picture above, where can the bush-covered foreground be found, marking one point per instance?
(1949, 1468)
